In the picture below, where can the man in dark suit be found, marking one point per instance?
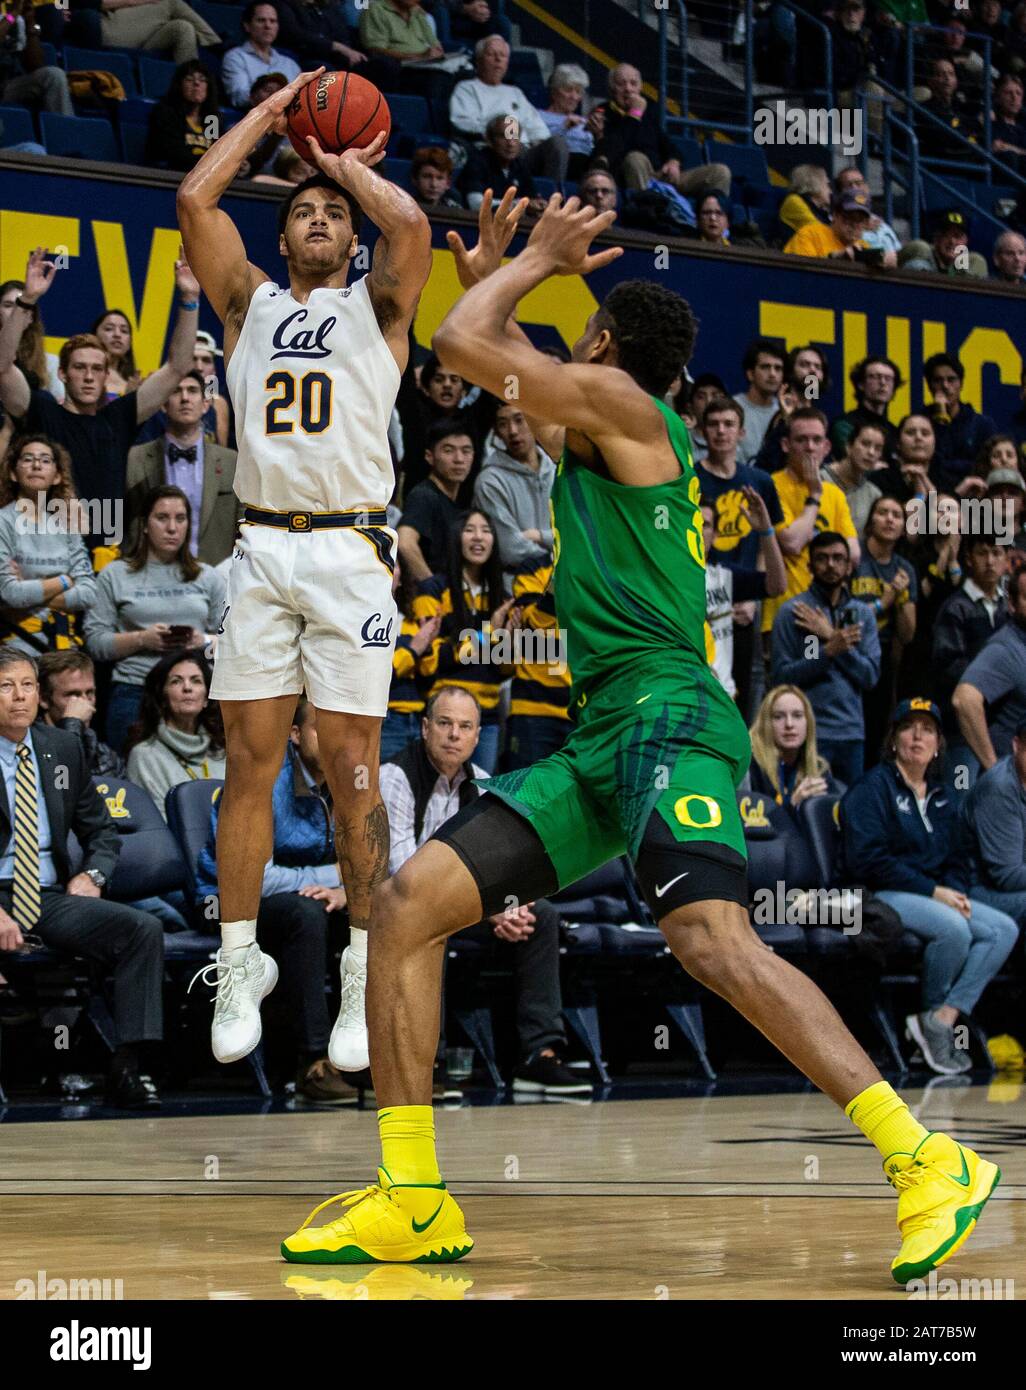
(47, 792)
(184, 457)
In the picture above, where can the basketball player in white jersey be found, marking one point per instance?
(313, 368)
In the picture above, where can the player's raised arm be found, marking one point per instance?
(477, 340)
(213, 246)
(402, 255)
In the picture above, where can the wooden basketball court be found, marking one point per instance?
(765, 1197)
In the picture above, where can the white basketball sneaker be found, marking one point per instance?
(236, 1028)
(348, 1048)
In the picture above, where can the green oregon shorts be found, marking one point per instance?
(662, 737)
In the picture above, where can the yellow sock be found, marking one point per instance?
(885, 1120)
(408, 1144)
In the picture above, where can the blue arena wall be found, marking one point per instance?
(118, 234)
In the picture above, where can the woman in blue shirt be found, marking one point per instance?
(902, 834)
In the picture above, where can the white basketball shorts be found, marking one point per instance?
(309, 611)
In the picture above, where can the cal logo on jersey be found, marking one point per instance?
(306, 342)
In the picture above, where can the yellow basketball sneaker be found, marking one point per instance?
(386, 1223)
(942, 1189)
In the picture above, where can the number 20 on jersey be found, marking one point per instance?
(313, 390)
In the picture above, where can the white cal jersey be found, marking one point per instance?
(313, 386)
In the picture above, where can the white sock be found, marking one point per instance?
(357, 946)
(238, 936)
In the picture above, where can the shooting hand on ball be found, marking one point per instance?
(336, 165)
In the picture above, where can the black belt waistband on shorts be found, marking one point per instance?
(315, 521)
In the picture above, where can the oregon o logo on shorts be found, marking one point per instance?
(682, 810)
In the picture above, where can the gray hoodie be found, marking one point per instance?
(517, 499)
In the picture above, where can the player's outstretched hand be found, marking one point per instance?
(335, 165)
(564, 232)
(496, 227)
(279, 102)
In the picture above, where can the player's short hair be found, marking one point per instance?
(806, 412)
(81, 340)
(654, 330)
(319, 181)
(446, 428)
(721, 405)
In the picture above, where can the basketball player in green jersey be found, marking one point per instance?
(650, 768)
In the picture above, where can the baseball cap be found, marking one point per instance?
(1006, 477)
(908, 709)
(852, 201)
(206, 341)
(952, 220)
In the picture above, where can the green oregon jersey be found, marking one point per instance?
(629, 575)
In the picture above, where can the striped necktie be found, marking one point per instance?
(26, 904)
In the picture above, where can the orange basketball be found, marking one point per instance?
(341, 109)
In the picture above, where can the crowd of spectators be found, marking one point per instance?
(874, 659)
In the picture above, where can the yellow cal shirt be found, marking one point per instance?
(833, 515)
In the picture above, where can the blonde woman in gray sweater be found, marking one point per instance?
(158, 600)
(46, 576)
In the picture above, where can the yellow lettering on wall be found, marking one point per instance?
(853, 338)
(935, 337)
(797, 324)
(21, 233)
(982, 347)
(150, 322)
(563, 303)
(899, 350)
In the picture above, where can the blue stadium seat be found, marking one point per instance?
(543, 187)
(136, 110)
(769, 834)
(818, 820)
(133, 142)
(398, 170)
(150, 862)
(155, 76)
(79, 137)
(188, 816)
(102, 60)
(226, 19)
(49, 55)
(17, 126)
(745, 162)
(693, 154)
(525, 69)
(410, 114)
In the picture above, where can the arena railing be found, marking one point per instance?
(922, 31)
